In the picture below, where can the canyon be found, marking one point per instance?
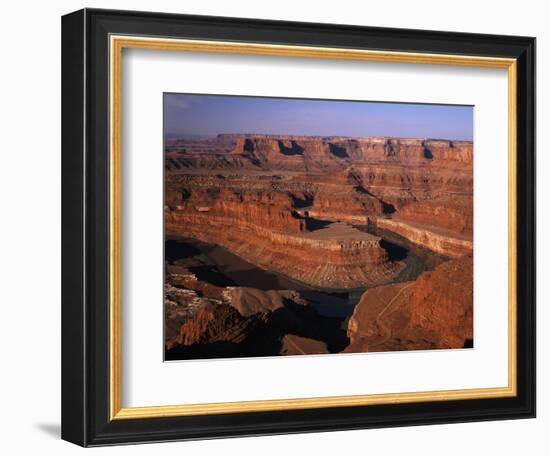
(285, 245)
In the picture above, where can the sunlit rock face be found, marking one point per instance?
(431, 312)
(267, 198)
(311, 209)
(444, 242)
(266, 228)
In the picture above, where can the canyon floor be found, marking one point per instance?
(289, 245)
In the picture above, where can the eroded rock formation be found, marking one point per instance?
(249, 322)
(276, 189)
(306, 209)
(435, 311)
(444, 242)
(265, 230)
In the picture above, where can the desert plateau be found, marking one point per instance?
(281, 244)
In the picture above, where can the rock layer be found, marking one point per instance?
(335, 256)
(301, 207)
(431, 312)
(444, 242)
(241, 190)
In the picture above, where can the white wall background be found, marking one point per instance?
(30, 193)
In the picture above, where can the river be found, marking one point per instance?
(217, 265)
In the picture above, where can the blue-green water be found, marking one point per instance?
(216, 265)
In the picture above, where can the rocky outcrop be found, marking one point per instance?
(400, 182)
(219, 205)
(219, 331)
(215, 323)
(444, 242)
(441, 302)
(252, 322)
(271, 188)
(205, 320)
(431, 312)
(184, 296)
(296, 345)
(250, 301)
(312, 154)
(301, 207)
(350, 258)
(452, 214)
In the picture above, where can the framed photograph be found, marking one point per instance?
(279, 227)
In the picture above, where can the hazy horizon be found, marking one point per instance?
(249, 133)
(210, 115)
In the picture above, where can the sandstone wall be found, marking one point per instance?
(324, 263)
(453, 214)
(443, 243)
(442, 302)
(435, 311)
(260, 196)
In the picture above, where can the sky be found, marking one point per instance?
(209, 115)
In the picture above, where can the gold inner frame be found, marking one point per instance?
(117, 44)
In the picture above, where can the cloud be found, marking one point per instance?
(177, 102)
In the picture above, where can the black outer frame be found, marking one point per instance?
(85, 227)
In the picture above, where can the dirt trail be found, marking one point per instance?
(385, 330)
